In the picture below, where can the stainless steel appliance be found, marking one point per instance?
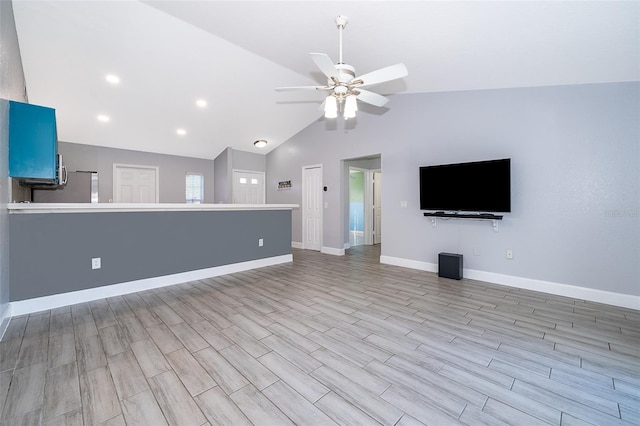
(81, 187)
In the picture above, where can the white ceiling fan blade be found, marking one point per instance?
(325, 64)
(371, 98)
(382, 75)
(286, 89)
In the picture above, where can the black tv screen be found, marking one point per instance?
(481, 186)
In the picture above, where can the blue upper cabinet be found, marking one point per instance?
(33, 141)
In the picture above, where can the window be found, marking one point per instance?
(194, 188)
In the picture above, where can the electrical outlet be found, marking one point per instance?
(260, 242)
(403, 204)
(96, 263)
(509, 254)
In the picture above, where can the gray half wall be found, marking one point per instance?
(51, 253)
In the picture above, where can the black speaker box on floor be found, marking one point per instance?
(450, 265)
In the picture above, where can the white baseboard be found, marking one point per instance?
(5, 316)
(333, 251)
(325, 250)
(347, 246)
(57, 300)
(575, 292)
(408, 263)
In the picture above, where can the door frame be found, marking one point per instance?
(264, 182)
(134, 166)
(304, 227)
(372, 208)
(368, 206)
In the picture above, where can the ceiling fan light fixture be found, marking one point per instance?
(344, 86)
(260, 143)
(350, 107)
(331, 107)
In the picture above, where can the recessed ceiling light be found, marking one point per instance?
(112, 78)
(103, 118)
(181, 132)
(260, 143)
(201, 103)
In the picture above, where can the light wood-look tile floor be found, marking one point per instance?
(324, 340)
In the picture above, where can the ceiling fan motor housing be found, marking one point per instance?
(346, 73)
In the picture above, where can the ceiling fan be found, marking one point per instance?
(343, 85)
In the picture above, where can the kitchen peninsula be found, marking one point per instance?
(62, 254)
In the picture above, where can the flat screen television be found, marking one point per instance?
(481, 186)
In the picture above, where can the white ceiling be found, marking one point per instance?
(233, 53)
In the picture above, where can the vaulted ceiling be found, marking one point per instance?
(168, 54)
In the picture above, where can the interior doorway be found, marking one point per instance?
(135, 184)
(312, 207)
(356, 206)
(363, 201)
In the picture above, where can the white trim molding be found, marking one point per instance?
(559, 289)
(37, 304)
(333, 251)
(28, 208)
(408, 263)
(296, 244)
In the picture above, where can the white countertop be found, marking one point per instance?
(124, 207)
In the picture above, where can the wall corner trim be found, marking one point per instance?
(296, 245)
(593, 295)
(333, 251)
(5, 316)
(37, 304)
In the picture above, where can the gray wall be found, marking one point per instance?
(249, 161)
(222, 180)
(172, 169)
(575, 178)
(52, 252)
(12, 87)
(229, 160)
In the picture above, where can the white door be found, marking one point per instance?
(312, 207)
(135, 184)
(377, 207)
(248, 187)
